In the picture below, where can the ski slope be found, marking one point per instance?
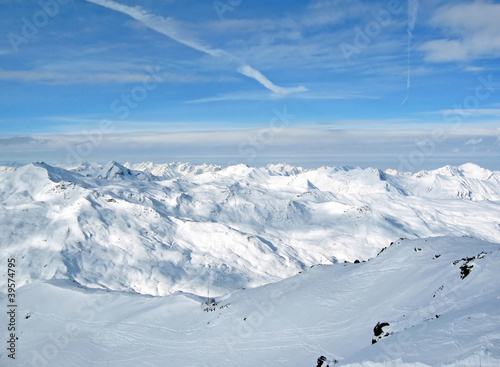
(436, 316)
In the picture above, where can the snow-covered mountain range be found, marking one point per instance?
(271, 266)
(160, 228)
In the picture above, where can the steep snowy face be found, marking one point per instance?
(111, 171)
(173, 169)
(156, 229)
(468, 181)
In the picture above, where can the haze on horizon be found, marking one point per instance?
(390, 84)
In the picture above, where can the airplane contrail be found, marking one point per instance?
(412, 20)
(170, 28)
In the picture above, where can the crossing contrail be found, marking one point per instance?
(173, 30)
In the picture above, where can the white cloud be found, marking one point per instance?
(250, 72)
(474, 69)
(412, 14)
(474, 141)
(445, 51)
(265, 96)
(89, 77)
(469, 112)
(472, 31)
(298, 146)
(238, 96)
(174, 31)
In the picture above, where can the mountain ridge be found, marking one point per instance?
(245, 226)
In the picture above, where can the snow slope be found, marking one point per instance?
(437, 314)
(156, 229)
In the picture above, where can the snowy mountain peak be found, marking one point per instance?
(283, 169)
(113, 171)
(472, 170)
(253, 225)
(253, 265)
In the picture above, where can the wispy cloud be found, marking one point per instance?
(263, 96)
(250, 72)
(468, 112)
(173, 30)
(88, 77)
(474, 69)
(380, 148)
(238, 96)
(69, 124)
(474, 141)
(472, 30)
(15, 141)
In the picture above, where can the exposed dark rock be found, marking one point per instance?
(377, 330)
(465, 270)
(321, 360)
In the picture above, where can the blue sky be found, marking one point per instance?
(358, 82)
